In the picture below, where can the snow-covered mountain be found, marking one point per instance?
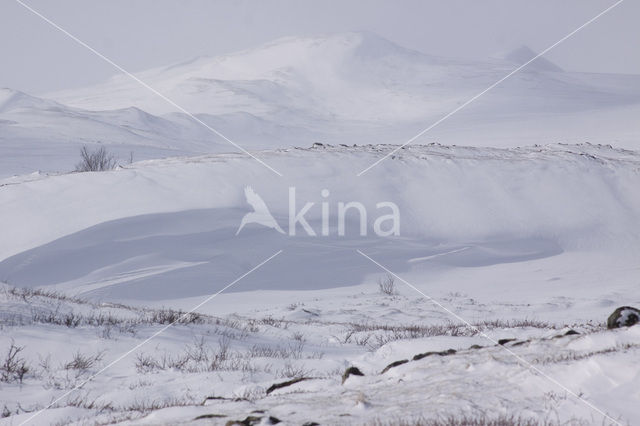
(345, 88)
(352, 77)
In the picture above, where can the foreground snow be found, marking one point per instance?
(224, 364)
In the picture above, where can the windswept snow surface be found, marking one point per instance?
(461, 207)
(352, 87)
(522, 242)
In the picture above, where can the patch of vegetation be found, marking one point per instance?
(83, 362)
(98, 160)
(14, 367)
(387, 285)
(480, 420)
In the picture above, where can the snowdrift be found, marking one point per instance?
(121, 234)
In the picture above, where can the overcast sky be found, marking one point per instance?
(140, 34)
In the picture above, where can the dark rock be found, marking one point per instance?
(476, 347)
(215, 398)
(253, 420)
(285, 384)
(505, 341)
(568, 333)
(249, 421)
(351, 371)
(311, 424)
(426, 354)
(394, 364)
(423, 355)
(520, 343)
(210, 416)
(625, 316)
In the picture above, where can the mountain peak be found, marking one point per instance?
(321, 47)
(364, 43)
(522, 54)
(301, 54)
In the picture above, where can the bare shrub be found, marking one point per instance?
(480, 420)
(169, 316)
(83, 401)
(299, 336)
(362, 340)
(198, 352)
(292, 351)
(107, 322)
(223, 348)
(274, 322)
(146, 406)
(374, 336)
(83, 362)
(14, 367)
(387, 285)
(146, 363)
(95, 161)
(517, 323)
(291, 371)
(196, 358)
(200, 357)
(249, 394)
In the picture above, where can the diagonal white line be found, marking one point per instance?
(142, 83)
(491, 87)
(523, 362)
(154, 335)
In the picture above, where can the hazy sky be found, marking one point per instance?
(140, 34)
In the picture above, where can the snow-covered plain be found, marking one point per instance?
(523, 243)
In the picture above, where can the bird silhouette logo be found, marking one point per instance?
(260, 213)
